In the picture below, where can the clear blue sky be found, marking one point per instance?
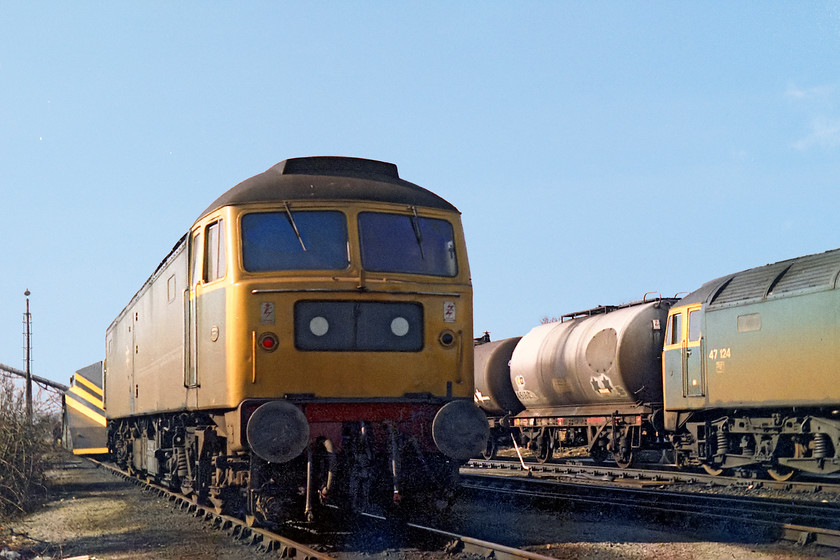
(597, 150)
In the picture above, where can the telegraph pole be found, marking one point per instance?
(27, 322)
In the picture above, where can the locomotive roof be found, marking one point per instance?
(776, 280)
(330, 178)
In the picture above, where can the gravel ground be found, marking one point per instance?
(95, 513)
(599, 536)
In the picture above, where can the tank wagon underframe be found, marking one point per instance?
(618, 435)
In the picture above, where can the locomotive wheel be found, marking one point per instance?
(780, 473)
(712, 470)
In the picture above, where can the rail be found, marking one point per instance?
(810, 520)
(269, 541)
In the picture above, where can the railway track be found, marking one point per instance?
(448, 543)
(653, 475)
(806, 512)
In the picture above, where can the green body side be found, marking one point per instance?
(769, 339)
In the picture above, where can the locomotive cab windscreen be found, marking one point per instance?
(407, 243)
(318, 240)
(300, 240)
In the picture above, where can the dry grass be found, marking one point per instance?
(24, 449)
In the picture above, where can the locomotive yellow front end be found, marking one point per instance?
(350, 331)
(347, 340)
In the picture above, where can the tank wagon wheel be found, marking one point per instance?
(780, 473)
(489, 449)
(598, 454)
(623, 460)
(545, 449)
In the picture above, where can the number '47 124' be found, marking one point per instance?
(720, 353)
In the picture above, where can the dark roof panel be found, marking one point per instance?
(809, 272)
(781, 279)
(328, 177)
(750, 284)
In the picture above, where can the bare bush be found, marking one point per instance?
(24, 447)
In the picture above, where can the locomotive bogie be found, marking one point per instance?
(781, 445)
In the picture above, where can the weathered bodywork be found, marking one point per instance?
(493, 390)
(592, 363)
(763, 338)
(329, 284)
(749, 376)
(593, 378)
(751, 367)
(84, 415)
(145, 344)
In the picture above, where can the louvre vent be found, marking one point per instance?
(781, 279)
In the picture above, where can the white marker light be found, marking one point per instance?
(319, 326)
(399, 326)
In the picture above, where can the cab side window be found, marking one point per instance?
(694, 325)
(195, 275)
(214, 261)
(674, 334)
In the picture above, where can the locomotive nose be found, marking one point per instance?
(460, 430)
(278, 431)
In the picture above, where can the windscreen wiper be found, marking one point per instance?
(294, 225)
(415, 225)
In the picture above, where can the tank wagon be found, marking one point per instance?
(83, 423)
(743, 373)
(303, 344)
(593, 379)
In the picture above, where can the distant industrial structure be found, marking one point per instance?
(47, 395)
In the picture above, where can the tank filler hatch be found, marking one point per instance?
(601, 309)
